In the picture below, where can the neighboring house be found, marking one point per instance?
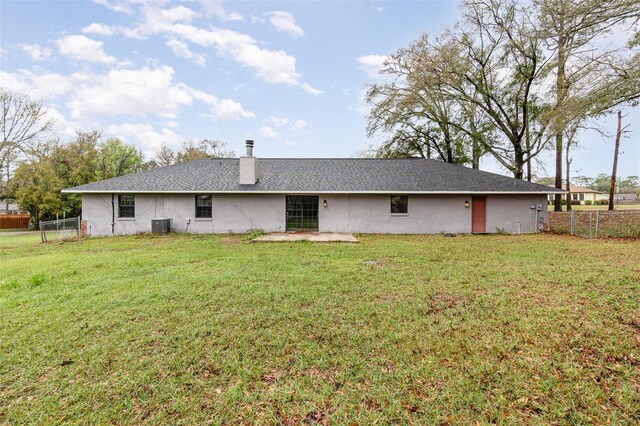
(398, 196)
(14, 208)
(626, 198)
(578, 193)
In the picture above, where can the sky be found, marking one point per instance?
(289, 75)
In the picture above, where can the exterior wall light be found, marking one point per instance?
(324, 203)
(466, 204)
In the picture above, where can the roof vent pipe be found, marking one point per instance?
(249, 148)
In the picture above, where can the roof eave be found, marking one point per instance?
(124, 191)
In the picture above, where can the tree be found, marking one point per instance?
(475, 80)
(612, 187)
(36, 187)
(165, 156)
(116, 158)
(203, 149)
(569, 28)
(23, 122)
(420, 118)
(189, 151)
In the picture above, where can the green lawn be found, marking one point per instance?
(395, 330)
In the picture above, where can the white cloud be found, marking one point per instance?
(62, 126)
(180, 48)
(81, 48)
(136, 92)
(268, 132)
(98, 29)
(300, 125)
(216, 8)
(148, 139)
(371, 64)
(120, 6)
(311, 90)
(271, 66)
(221, 108)
(277, 121)
(155, 20)
(170, 123)
(285, 23)
(45, 86)
(36, 52)
(142, 92)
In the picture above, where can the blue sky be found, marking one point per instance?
(290, 75)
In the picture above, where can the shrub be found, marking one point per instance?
(604, 202)
(575, 202)
(564, 202)
(255, 233)
(588, 202)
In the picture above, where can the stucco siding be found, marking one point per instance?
(372, 214)
(506, 212)
(237, 213)
(230, 213)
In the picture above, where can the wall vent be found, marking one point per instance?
(160, 225)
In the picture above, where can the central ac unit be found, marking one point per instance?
(160, 225)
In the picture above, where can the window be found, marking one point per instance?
(574, 196)
(203, 206)
(126, 206)
(581, 197)
(399, 204)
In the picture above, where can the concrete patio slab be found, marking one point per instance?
(318, 237)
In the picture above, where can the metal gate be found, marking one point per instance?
(302, 212)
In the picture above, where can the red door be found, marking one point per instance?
(478, 214)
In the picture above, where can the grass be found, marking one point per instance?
(188, 329)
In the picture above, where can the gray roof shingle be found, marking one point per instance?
(320, 175)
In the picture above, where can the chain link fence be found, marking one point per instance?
(60, 229)
(596, 223)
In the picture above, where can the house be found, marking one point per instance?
(399, 196)
(9, 208)
(631, 198)
(579, 193)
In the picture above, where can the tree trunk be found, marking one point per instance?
(568, 160)
(559, 124)
(518, 160)
(528, 142)
(612, 187)
(475, 161)
(7, 194)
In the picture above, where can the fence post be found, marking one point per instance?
(572, 222)
(590, 221)
(78, 228)
(43, 236)
(597, 222)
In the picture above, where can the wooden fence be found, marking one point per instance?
(14, 221)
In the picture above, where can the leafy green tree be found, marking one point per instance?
(116, 158)
(36, 187)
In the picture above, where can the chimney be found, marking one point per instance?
(248, 166)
